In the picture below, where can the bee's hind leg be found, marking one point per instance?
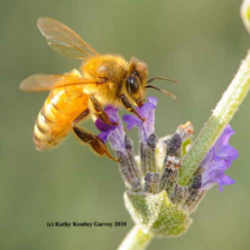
(92, 140)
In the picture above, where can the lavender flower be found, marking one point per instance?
(213, 167)
(122, 146)
(115, 134)
(147, 111)
(146, 133)
(154, 172)
(218, 160)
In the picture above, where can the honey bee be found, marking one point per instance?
(77, 95)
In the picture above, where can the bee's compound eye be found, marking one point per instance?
(132, 84)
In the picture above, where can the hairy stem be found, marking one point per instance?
(221, 116)
(136, 239)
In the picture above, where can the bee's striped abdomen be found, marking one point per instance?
(55, 119)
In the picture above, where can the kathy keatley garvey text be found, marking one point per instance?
(86, 224)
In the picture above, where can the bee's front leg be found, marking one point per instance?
(129, 106)
(99, 111)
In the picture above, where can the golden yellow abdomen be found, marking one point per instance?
(55, 119)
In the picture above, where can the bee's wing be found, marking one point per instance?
(39, 82)
(43, 82)
(63, 39)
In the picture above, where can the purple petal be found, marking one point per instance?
(224, 181)
(153, 100)
(226, 152)
(132, 121)
(147, 111)
(103, 136)
(112, 112)
(114, 134)
(225, 136)
(101, 125)
(218, 160)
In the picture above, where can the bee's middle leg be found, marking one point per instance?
(92, 140)
(100, 112)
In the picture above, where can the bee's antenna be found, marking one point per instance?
(161, 78)
(164, 91)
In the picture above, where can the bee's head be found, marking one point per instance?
(135, 82)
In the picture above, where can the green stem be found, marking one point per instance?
(245, 13)
(221, 116)
(136, 239)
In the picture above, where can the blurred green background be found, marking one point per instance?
(200, 43)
